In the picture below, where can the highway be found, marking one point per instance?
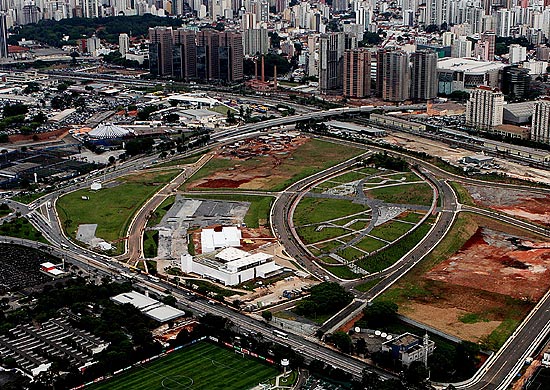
(502, 366)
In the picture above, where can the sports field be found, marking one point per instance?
(203, 366)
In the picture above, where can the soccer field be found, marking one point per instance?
(203, 366)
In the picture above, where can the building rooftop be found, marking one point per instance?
(149, 306)
(468, 65)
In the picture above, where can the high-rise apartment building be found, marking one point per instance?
(208, 55)
(424, 75)
(485, 107)
(123, 44)
(488, 41)
(357, 73)
(540, 129)
(3, 36)
(331, 59)
(393, 75)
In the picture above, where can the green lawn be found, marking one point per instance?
(161, 211)
(350, 253)
(393, 253)
(370, 244)
(348, 177)
(315, 210)
(343, 272)
(364, 287)
(411, 217)
(202, 366)
(417, 193)
(28, 197)
(181, 161)
(112, 208)
(308, 234)
(221, 109)
(258, 212)
(391, 230)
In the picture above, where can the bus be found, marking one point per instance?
(280, 334)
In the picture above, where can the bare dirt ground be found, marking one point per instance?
(447, 319)
(256, 164)
(492, 262)
(46, 136)
(532, 207)
(440, 149)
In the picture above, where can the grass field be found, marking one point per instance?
(391, 230)
(310, 236)
(112, 208)
(202, 366)
(418, 193)
(315, 210)
(258, 212)
(181, 161)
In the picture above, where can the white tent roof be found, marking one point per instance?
(109, 130)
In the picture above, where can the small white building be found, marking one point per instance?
(231, 266)
(229, 236)
(149, 306)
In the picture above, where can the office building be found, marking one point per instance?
(393, 75)
(515, 81)
(331, 61)
(540, 129)
(161, 51)
(424, 75)
(185, 55)
(357, 73)
(484, 109)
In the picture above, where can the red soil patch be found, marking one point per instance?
(50, 135)
(532, 207)
(222, 183)
(491, 261)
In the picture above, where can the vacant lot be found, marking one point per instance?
(202, 366)
(477, 284)
(522, 204)
(112, 207)
(270, 171)
(258, 212)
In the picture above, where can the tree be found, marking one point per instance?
(417, 373)
(112, 160)
(324, 298)
(231, 117)
(342, 340)
(380, 313)
(361, 346)
(267, 315)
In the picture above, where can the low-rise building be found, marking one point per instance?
(231, 266)
(409, 348)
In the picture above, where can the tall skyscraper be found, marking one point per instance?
(424, 75)
(357, 75)
(331, 59)
(3, 36)
(185, 55)
(540, 129)
(488, 38)
(160, 51)
(123, 44)
(485, 107)
(393, 75)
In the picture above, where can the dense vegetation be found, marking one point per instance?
(52, 32)
(324, 298)
(384, 160)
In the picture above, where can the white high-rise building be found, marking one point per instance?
(540, 129)
(518, 54)
(123, 44)
(485, 107)
(505, 22)
(461, 48)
